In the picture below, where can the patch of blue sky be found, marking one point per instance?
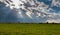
(48, 2)
(57, 9)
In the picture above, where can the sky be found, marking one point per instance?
(30, 11)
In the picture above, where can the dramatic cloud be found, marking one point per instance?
(56, 3)
(29, 11)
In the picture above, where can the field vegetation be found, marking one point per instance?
(29, 29)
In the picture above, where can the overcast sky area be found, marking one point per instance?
(30, 11)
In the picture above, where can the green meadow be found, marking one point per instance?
(29, 29)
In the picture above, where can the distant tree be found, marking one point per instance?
(53, 23)
(47, 22)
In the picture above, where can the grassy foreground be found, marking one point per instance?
(29, 29)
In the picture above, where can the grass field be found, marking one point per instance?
(29, 29)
